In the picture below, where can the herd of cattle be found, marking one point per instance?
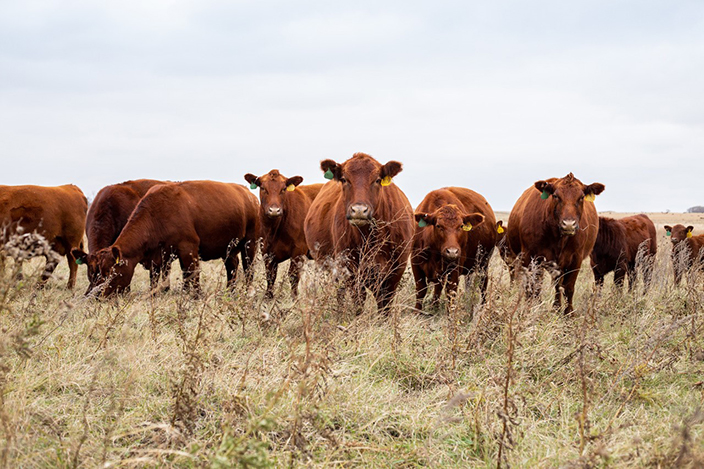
(360, 217)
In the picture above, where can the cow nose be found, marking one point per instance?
(274, 211)
(359, 212)
(569, 226)
(452, 253)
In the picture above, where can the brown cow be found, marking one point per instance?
(554, 223)
(455, 236)
(619, 246)
(362, 215)
(190, 220)
(686, 249)
(283, 208)
(56, 213)
(107, 215)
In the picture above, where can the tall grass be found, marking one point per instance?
(231, 379)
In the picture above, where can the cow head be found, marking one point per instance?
(91, 263)
(363, 181)
(273, 190)
(567, 197)
(678, 233)
(450, 227)
(114, 270)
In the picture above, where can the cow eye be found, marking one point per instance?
(378, 181)
(556, 197)
(283, 190)
(343, 180)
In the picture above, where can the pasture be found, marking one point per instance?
(231, 379)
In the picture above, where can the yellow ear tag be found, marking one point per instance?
(689, 234)
(386, 181)
(499, 230)
(117, 261)
(467, 227)
(590, 197)
(290, 188)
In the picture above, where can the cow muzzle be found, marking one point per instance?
(451, 254)
(359, 214)
(274, 211)
(569, 227)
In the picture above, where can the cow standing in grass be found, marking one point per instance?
(107, 215)
(554, 224)
(362, 217)
(620, 245)
(454, 236)
(687, 249)
(284, 204)
(56, 213)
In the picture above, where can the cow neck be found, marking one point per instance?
(137, 237)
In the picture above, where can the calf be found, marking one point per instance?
(687, 249)
(283, 208)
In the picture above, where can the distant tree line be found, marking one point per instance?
(696, 209)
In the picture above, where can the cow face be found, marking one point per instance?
(566, 197)
(678, 233)
(115, 271)
(91, 263)
(451, 227)
(363, 181)
(273, 188)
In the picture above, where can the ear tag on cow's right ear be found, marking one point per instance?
(544, 195)
(467, 226)
(668, 233)
(328, 174)
(422, 223)
(385, 181)
(253, 185)
(689, 234)
(79, 261)
(590, 197)
(290, 188)
(117, 261)
(499, 230)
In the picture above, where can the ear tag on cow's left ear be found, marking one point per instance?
(422, 223)
(328, 174)
(253, 186)
(290, 188)
(544, 195)
(386, 181)
(467, 226)
(117, 261)
(689, 234)
(79, 261)
(668, 233)
(590, 197)
(499, 230)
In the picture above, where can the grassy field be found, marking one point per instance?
(233, 380)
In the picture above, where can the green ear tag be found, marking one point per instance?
(79, 261)
(668, 233)
(328, 174)
(253, 185)
(422, 222)
(544, 195)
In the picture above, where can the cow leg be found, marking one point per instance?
(190, 266)
(632, 277)
(72, 269)
(421, 289)
(568, 282)
(437, 291)
(598, 276)
(294, 274)
(249, 251)
(619, 276)
(272, 268)
(48, 272)
(231, 264)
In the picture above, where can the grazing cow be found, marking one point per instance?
(367, 220)
(107, 215)
(617, 249)
(189, 220)
(554, 223)
(455, 236)
(686, 249)
(283, 208)
(56, 213)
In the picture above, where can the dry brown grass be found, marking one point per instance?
(233, 380)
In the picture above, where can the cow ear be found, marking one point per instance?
(295, 180)
(80, 256)
(332, 170)
(252, 180)
(500, 224)
(390, 169)
(544, 186)
(116, 253)
(595, 188)
(690, 228)
(424, 219)
(473, 219)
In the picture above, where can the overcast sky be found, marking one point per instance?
(487, 95)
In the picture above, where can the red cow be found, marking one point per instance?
(619, 245)
(107, 215)
(56, 213)
(362, 216)
(190, 220)
(687, 249)
(283, 209)
(554, 223)
(455, 236)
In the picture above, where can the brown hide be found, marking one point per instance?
(356, 217)
(283, 208)
(192, 220)
(107, 215)
(56, 213)
(442, 249)
(617, 246)
(686, 251)
(559, 231)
